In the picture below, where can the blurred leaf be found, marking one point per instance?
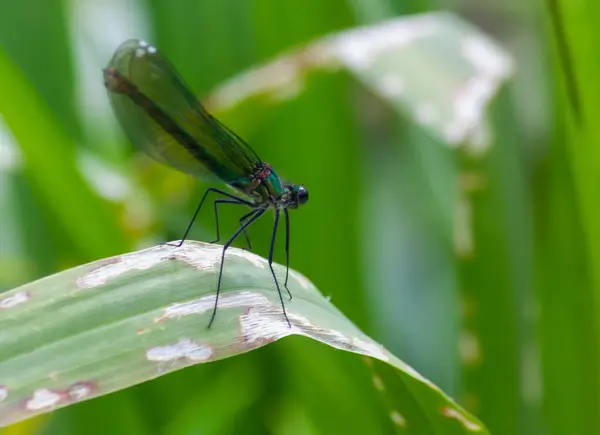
(568, 231)
(50, 164)
(13, 260)
(128, 319)
(435, 67)
(493, 190)
(567, 308)
(34, 35)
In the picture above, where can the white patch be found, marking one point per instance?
(280, 80)
(531, 383)
(378, 383)
(492, 66)
(202, 256)
(359, 48)
(468, 348)
(486, 57)
(107, 182)
(261, 324)
(3, 393)
(398, 419)
(468, 107)
(183, 349)
(252, 258)
(305, 283)
(10, 153)
(14, 300)
(42, 398)
(426, 114)
(79, 392)
(140, 52)
(143, 44)
(151, 49)
(207, 303)
(464, 243)
(370, 348)
(453, 413)
(480, 140)
(97, 28)
(391, 85)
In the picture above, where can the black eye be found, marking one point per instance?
(302, 195)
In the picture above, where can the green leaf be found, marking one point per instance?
(117, 322)
(398, 60)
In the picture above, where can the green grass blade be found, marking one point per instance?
(117, 322)
(50, 164)
(570, 235)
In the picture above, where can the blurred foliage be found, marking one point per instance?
(491, 291)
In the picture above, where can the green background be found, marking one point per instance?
(507, 326)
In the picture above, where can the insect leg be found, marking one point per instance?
(224, 201)
(277, 212)
(257, 213)
(210, 189)
(287, 250)
(242, 219)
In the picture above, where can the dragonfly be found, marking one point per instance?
(161, 116)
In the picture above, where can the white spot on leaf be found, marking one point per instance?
(492, 65)
(207, 303)
(10, 153)
(280, 80)
(453, 413)
(378, 383)
(252, 258)
(42, 398)
(3, 393)
(183, 349)
(468, 347)
(268, 324)
(14, 300)
(107, 181)
(398, 419)
(79, 391)
(143, 44)
(360, 48)
(391, 85)
(463, 225)
(468, 107)
(485, 56)
(305, 283)
(426, 114)
(200, 256)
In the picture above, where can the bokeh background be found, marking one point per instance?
(495, 303)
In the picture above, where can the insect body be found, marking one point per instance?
(163, 118)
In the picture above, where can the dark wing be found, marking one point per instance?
(162, 117)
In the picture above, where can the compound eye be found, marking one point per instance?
(302, 195)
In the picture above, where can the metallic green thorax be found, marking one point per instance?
(263, 189)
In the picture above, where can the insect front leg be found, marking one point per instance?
(210, 189)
